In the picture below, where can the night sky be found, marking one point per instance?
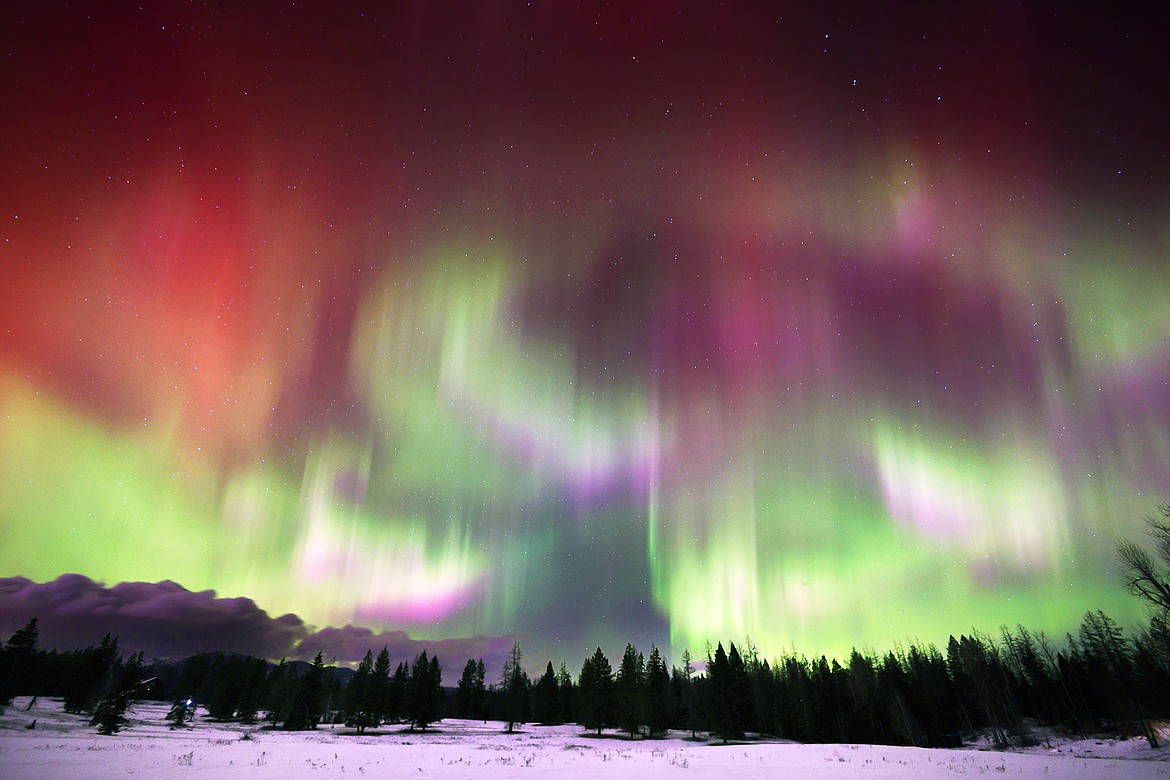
(578, 323)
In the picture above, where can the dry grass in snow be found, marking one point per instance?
(64, 746)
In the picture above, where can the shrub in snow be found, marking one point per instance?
(110, 714)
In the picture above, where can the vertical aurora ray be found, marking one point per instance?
(978, 476)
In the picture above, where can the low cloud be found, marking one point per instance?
(166, 620)
(160, 618)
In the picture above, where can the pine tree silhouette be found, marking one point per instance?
(424, 691)
(465, 691)
(307, 705)
(359, 712)
(379, 688)
(595, 692)
(17, 661)
(545, 703)
(657, 694)
(629, 692)
(514, 685)
(110, 714)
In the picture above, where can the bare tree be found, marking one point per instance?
(1148, 576)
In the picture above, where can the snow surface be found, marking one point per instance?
(64, 746)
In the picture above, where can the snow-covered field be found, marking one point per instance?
(64, 746)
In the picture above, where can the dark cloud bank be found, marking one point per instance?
(166, 620)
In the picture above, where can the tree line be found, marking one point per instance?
(1005, 686)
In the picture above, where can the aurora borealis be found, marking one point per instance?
(588, 323)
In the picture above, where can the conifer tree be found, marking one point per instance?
(379, 690)
(423, 692)
(436, 686)
(1153, 646)
(826, 714)
(479, 690)
(931, 695)
(701, 708)
(514, 686)
(110, 714)
(24, 639)
(739, 693)
(763, 709)
(629, 689)
(545, 701)
(396, 692)
(677, 714)
(565, 694)
(980, 661)
(91, 675)
(222, 696)
(864, 716)
(689, 714)
(719, 675)
(359, 712)
(17, 660)
(1109, 658)
(465, 693)
(281, 688)
(253, 675)
(798, 708)
(904, 726)
(309, 701)
(595, 692)
(657, 694)
(1027, 666)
